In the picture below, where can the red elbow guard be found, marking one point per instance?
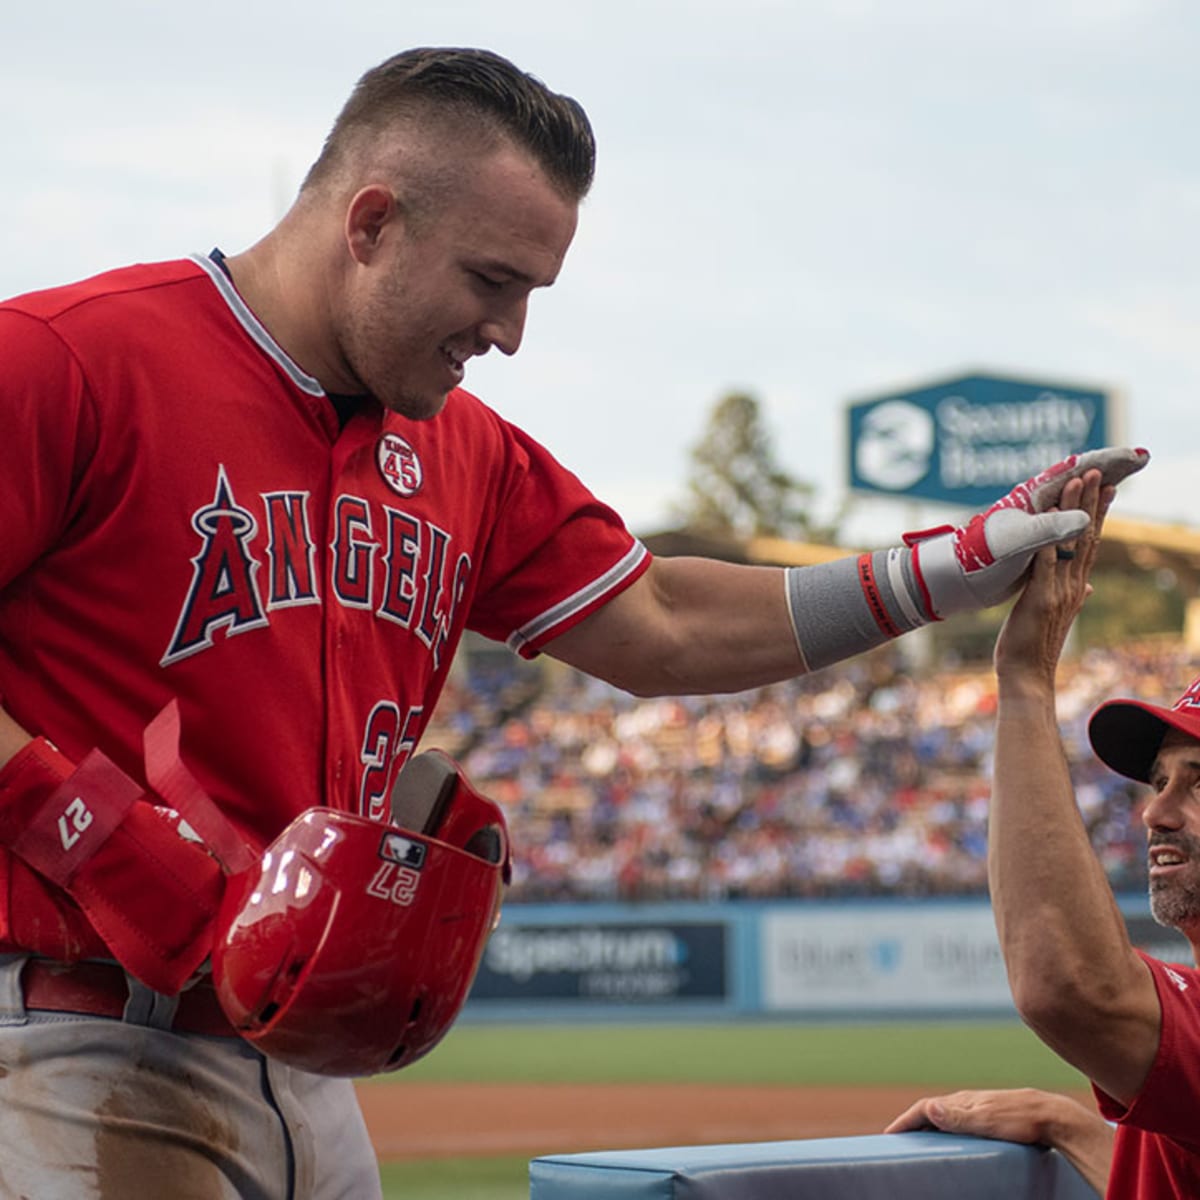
(151, 894)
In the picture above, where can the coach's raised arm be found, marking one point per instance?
(1131, 1024)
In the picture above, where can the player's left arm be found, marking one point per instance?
(695, 625)
(688, 626)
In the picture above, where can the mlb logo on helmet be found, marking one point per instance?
(397, 848)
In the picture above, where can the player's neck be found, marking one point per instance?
(270, 275)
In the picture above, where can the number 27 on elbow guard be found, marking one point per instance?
(72, 822)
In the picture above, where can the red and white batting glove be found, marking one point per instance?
(983, 562)
(841, 608)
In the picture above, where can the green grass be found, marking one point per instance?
(939, 1055)
(457, 1179)
(959, 1053)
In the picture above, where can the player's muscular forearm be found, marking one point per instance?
(1073, 973)
(688, 626)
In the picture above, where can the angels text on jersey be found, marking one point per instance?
(382, 559)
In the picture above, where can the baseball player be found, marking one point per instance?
(251, 492)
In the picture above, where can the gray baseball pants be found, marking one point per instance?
(94, 1108)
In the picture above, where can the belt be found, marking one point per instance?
(98, 989)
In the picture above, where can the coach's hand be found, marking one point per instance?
(1026, 1115)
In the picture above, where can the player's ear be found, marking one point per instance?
(370, 211)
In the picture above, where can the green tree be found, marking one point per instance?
(736, 488)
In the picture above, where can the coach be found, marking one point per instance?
(1127, 1021)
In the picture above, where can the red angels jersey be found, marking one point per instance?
(1157, 1150)
(183, 518)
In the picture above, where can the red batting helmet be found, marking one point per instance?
(350, 947)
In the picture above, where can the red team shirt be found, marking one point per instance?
(183, 518)
(1157, 1152)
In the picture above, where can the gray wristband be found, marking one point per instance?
(829, 607)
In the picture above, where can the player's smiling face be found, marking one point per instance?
(439, 291)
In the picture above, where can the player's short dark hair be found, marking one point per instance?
(475, 84)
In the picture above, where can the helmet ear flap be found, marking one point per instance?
(433, 795)
(423, 791)
(284, 948)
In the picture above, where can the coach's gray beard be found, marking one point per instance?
(1175, 906)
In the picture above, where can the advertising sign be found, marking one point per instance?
(969, 439)
(928, 957)
(609, 963)
(923, 958)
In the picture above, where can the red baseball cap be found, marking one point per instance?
(1126, 734)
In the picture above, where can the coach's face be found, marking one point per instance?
(1172, 819)
(431, 292)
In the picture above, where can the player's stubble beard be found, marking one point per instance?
(379, 358)
(394, 396)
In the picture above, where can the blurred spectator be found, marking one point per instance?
(863, 779)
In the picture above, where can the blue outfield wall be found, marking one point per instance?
(800, 959)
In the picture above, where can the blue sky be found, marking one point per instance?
(815, 201)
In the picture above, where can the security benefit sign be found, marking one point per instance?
(610, 963)
(861, 960)
(970, 439)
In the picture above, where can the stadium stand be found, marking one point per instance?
(867, 779)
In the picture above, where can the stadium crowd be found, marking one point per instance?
(870, 778)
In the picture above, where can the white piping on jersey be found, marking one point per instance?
(254, 327)
(586, 595)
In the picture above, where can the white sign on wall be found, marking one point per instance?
(931, 957)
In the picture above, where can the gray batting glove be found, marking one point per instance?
(983, 562)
